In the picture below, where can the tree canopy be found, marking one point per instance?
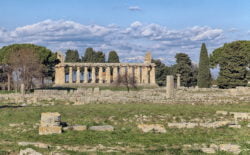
(92, 56)
(233, 60)
(45, 56)
(113, 57)
(72, 56)
(186, 69)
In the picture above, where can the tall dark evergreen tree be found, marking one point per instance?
(113, 57)
(72, 56)
(89, 55)
(204, 75)
(99, 57)
(185, 68)
(233, 66)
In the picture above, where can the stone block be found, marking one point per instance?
(50, 119)
(102, 128)
(29, 151)
(46, 130)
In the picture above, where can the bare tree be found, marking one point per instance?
(126, 80)
(25, 66)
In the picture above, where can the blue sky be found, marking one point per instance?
(131, 27)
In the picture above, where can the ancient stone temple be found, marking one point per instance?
(104, 73)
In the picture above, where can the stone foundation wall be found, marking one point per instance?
(157, 95)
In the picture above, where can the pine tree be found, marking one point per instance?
(204, 75)
(99, 57)
(72, 56)
(233, 66)
(113, 57)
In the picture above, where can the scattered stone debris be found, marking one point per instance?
(75, 128)
(16, 124)
(222, 112)
(234, 126)
(102, 128)
(215, 124)
(50, 123)
(29, 151)
(36, 144)
(156, 128)
(230, 148)
(240, 115)
(208, 150)
(183, 125)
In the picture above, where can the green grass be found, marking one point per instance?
(125, 121)
(6, 91)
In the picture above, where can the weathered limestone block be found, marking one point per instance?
(50, 123)
(102, 128)
(157, 128)
(235, 149)
(29, 151)
(47, 130)
(50, 119)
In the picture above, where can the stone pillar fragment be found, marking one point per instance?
(78, 75)
(170, 86)
(152, 75)
(86, 74)
(138, 74)
(108, 75)
(100, 74)
(93, 77)
(178, 80)
(22, 89)
(70, 75)
(59, 75)
(115, 73)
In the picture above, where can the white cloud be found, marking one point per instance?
(134, 8)
(131, 42)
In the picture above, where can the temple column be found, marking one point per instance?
(130, 71)
(152, 75)
(138, 74)
(115, 73)
(145, 74)
(122, 70)
(85, 74)
(78, 75)
(108, 75)
(93, 77)
(70, 75)
(100, 74)
(59, 75)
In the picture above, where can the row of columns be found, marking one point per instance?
(142, 74)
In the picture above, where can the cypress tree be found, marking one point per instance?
(204, 75)
(89, 55)
(113, 57)
(72, 56)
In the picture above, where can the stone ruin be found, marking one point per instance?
(50, 123)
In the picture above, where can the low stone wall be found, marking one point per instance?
(157, 95)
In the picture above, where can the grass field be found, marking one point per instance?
(124, 117)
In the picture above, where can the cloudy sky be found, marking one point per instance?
(131, 27)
